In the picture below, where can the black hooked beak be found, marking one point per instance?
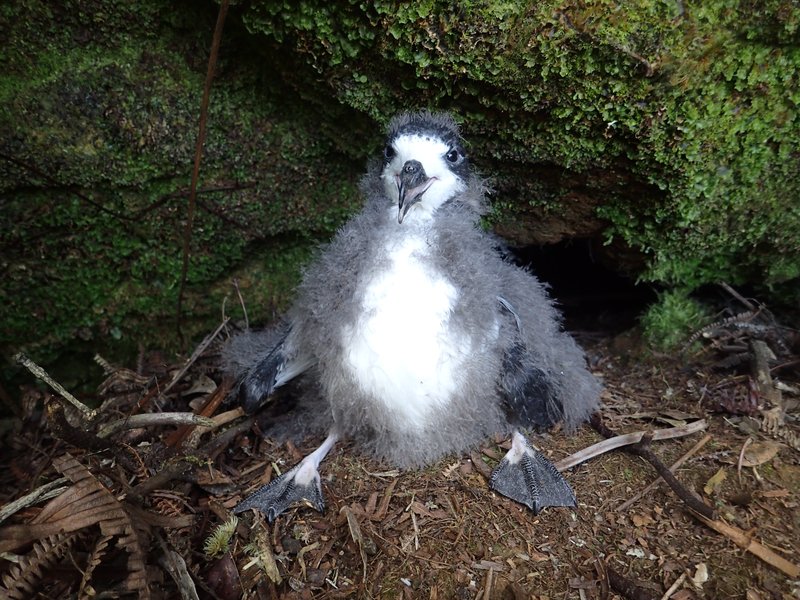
(412, 182)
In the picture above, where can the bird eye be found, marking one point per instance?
(453, 156)
(388, 152)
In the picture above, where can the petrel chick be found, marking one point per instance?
(415, 337)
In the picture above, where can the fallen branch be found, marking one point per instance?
(154, 419)
(674, 467)
(743, 540)
(42, 375)
(745, 302)
(43, 492)
(642, 449)
(627, 439)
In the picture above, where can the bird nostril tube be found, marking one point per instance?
(412, 166)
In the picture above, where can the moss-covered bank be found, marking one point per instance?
(99, 105)
(676, 125)
(670, 129)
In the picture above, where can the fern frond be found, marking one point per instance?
(219, 541)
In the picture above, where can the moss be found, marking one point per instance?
(696, 110)
(669, 323)
(98, 114)
(729, 135)
(675, 132)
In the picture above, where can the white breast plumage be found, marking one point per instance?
(401, 351)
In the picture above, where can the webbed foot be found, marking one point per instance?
(526, 476)
(301, 483)
(296, 485)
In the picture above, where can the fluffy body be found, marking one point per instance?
(418, 339)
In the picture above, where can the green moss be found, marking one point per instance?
(98, 115)
(669, 323)
(697, 109)
(681, 128)
(729, 137)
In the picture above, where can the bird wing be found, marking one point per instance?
(267, 361)
(528, 391)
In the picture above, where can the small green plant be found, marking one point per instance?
(219, 541)
(669, 322)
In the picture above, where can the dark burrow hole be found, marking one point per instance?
(592, 296)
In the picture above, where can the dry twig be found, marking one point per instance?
(43, 492)
(627, 439)
(154, 419)
(674, 467)
(642, 449)
(40, 373)
(198, 153)
(743, 540)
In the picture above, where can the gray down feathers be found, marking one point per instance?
(326, 299)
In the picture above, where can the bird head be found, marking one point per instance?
(424, 164)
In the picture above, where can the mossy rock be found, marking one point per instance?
(673, 128)
(99, 107)
(668, 130)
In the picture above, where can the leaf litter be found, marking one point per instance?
(139, 497)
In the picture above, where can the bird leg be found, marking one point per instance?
(526, 476)
(300, 483)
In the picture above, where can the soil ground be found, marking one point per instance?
(441, 532)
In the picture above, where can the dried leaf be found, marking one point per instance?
(372, 504)
(642, 520)
(87, 502)
(756, 454)
(355, 533)
(202, 384)
(22, 579)
(759, 453)
(539, 557)
(480, 465)
(383, 507)
(700, 575)
(448, 471)
(713, 484)
(85, 592)
(673, 422)
(678, 414)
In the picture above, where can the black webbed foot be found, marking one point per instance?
(299, 484)
(526, 476)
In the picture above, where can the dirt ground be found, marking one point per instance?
(435, 534)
